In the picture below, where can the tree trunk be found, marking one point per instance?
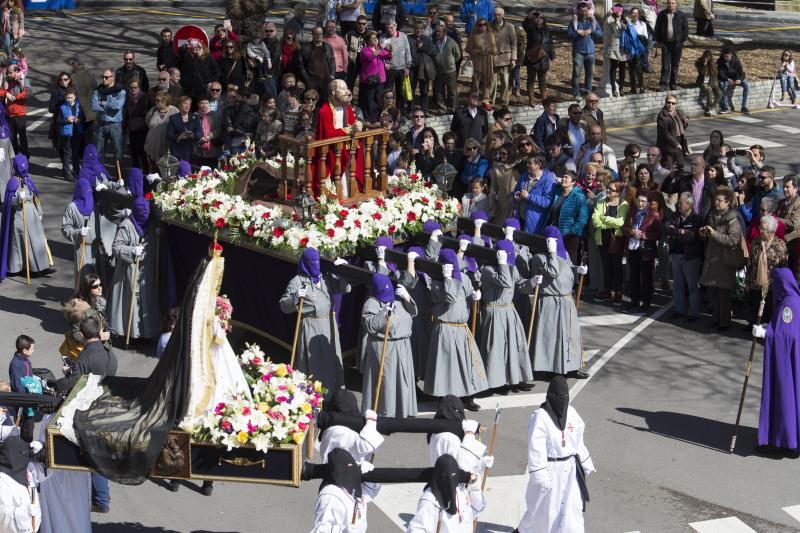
(247, 16)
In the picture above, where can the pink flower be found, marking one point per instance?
(256, 360)
(246, 411)
(302, 426)
(251, 428)
(220, 407)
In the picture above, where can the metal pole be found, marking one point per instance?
(296, 330)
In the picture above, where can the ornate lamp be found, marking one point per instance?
(445, 174)
(168, 166)
(304, 205)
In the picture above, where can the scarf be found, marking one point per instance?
(206, 123)
(634, 243)
(678, 123)
(762, 272)
(104, 91)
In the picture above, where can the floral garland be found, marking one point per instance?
(224, 311)
(284, 403)
(206, 201)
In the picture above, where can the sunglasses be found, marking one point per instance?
(107, 77)
(506, 119)
(471, 148)
(525, 143)
(419, 116)
(229, 48)
(269, 31)
(216, 90)
(361, 23)
(482, 25)
(97, 285)
(64, 79)
(389, 97)
(128, 59)
(310, 99)
(592, 101)
(503, 153)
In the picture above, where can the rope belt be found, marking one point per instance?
(475, 362)
(498, 306)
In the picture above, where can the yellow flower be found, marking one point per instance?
(281, 371)
(263, 407)
(242, 437)
(306, 408)
(318, 386)
(298, 437)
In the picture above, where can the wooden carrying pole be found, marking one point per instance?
(489, 451)
(474, 316)
(296, 330)
(578, 294)
(383, 359)
(25, 236)
(83, 254)
(748, 368)
(119, 171)
(134, 277)
(533, 314)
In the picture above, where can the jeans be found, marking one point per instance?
(100, 492)
(685, 273)
(670, 60)
(422, 100)
(71, 150)
(19, 134)
(368, 100)
(787, 85)
(111, 132)
(727, 94)
(620, 86)
(445, 90)
(583, 61)
(394, 81)
(712, 93)
(640, 271)
(515, 79)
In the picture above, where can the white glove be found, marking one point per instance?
(759, 331)
(538, 279)
(389, 306)
(339, 261)
(126, 213)
(478, 223)
(469, 426)
(502, 257)
(435, 234)
(487, 461)
(509, 233)
(367, 467)
(381, 252)
(152, 178)
(36, 446)
(582, 270)
(552, 245)
(84, 231)
(138, 251)
(412, 256)
(447, 271)
(100, 187)
(372, 420)
(369, 414)
(402, 293)
(476, 295)
(462, 245)
(301, 292)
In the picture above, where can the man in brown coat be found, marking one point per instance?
(506, 59)
(788, 212)
(671, 130)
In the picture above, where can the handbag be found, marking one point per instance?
(735, 257)
(467, 69)
(407, 92)
(535, 54)
(70, 347)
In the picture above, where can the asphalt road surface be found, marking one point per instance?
(659, 406)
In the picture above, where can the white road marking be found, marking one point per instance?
(746, 140)
(695, 145)
(37, 123)
(620, 344)
(793, 511)
(614, 319)
(787, 129)
(39, 111)
(730, 524)
(745, 118)
(53, 165)
(504, 504)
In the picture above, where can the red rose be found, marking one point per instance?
(377, 216)
(303, 242)
(265, 215)
(217, 246)
(206, 191)
(392, 229)
(216, 203)
(277, 232)
(246, 411)
(357, 223)
(148, 196)
(256, 360)
(227, 168)
(251, 230)
(425, 200)
(220, 222)
(343, 213)
(411, 216)
(439, 205)
(205, 207)
(339, 223)
(380, 202)
(331, 233)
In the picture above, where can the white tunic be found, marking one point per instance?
(16, 509)
(560, 509)
(333, 512)
(467, 453)
(360, 445)
(469, 504)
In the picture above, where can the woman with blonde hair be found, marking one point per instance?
(155, 144)
(482, 49)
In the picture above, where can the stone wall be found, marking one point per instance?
(629, 109)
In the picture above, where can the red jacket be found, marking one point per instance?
(18, 107)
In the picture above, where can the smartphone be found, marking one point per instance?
(227, 24)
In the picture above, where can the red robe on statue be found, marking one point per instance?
(327, 130)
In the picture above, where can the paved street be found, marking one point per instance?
(659, 407)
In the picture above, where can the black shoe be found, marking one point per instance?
(503, 391)
(691, 318)
(745, 111)
(580, 374)
(514, 389)
(97, 509)
(767, 449)
(673, 87)
(470, 405)
(173, 485)
(525, 386)
(207, 488)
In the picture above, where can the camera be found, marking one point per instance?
(740, 152)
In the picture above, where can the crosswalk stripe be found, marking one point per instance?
(615, 319)
(745, 118)
(746, 140)
(793, 511)
(782, 127)
(730, 524)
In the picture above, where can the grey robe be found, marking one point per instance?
(38, 253)
(71, 226)
(398, 387)
(421, 326)
(146, 321)
(455, 366)
(6, 171)
(557, 342)
(108, 218)
(501, 335)
(318, 350)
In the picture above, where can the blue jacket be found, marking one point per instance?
(20, 367)
(537, 206)
(629, 42)
(542, 129)
(68, 129)
(580, 43)
(481, 9)
(108, 109)
(182, 149)
(474, 169)
(574, 211)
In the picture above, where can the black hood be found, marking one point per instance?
(15, 454)
(343, 471)
(450, 408)
(343, 401)
(557, 401)
(446, 478)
